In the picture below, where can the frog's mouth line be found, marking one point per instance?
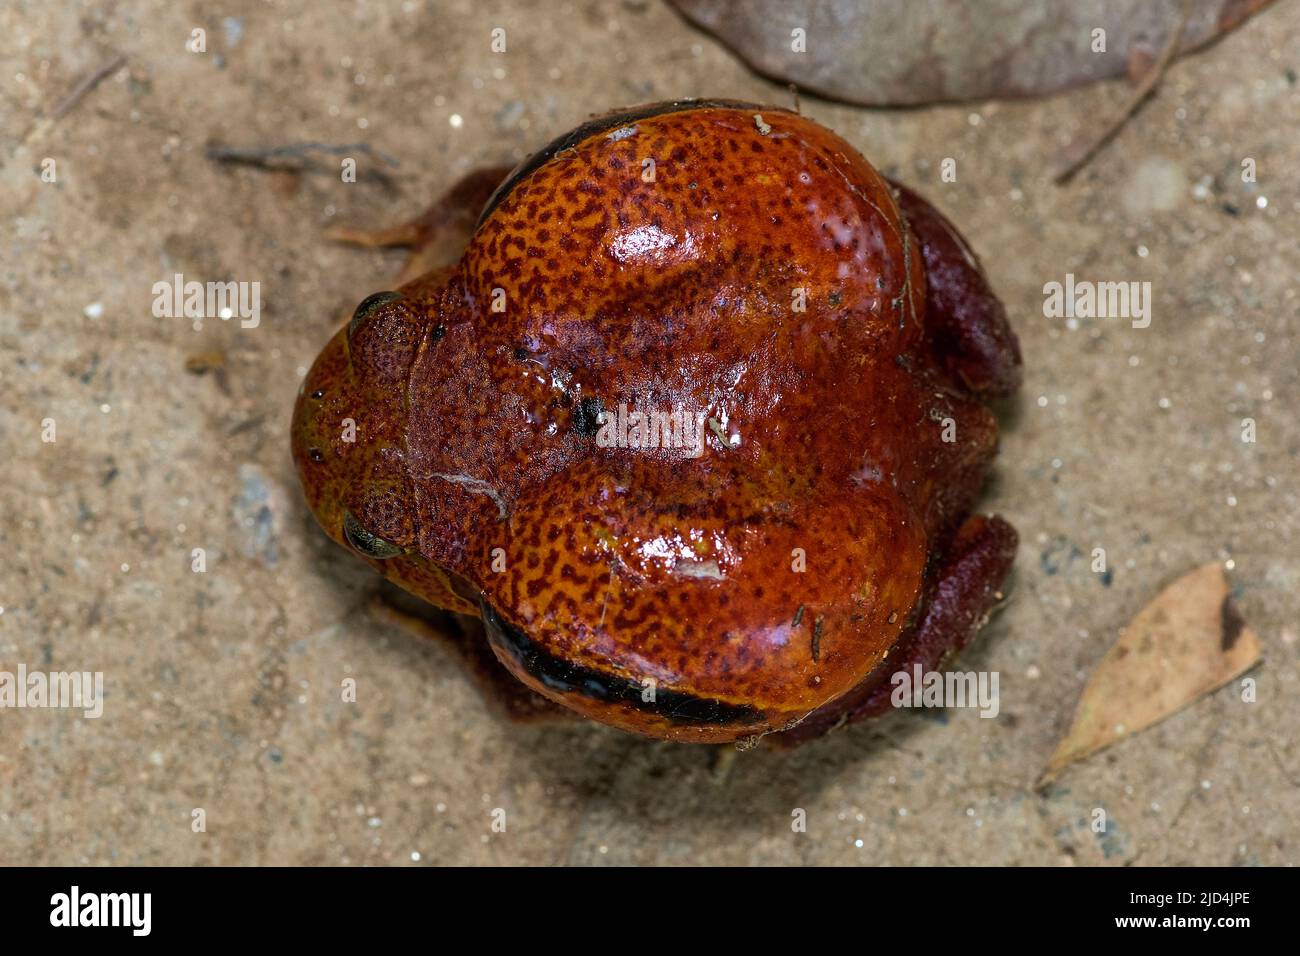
(566, 678)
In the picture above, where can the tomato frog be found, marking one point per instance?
(684, 419)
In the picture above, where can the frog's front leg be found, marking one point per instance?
(463, 636)
(438, 236)
(962, 593)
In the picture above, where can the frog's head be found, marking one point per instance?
(348, 430)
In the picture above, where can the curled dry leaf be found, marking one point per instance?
(1182, 646)
(909, 52)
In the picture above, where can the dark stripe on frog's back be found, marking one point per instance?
(599, 124)
(564, 677)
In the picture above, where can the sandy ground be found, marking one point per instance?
(222, 687)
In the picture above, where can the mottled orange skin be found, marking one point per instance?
(825, 524)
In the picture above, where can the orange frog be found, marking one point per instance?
(693, 423)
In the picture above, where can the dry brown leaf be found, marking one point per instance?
(909, 52)
(1185, 644)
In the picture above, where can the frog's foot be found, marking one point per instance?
(464, 636)
(959, 598)
(438, 236)
(966, 324)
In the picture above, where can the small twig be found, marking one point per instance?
(1078, 153)
(294, 157)
(86, 84)
(268, 155)
(1286, 774)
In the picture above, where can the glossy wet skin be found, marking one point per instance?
(765, 280)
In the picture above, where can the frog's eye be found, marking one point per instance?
(367, 308)
(371, 545)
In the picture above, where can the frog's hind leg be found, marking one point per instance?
(965, 323)
(436, 237)
(464, 636)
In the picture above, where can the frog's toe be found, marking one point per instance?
(438, 236)
(406, 234)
